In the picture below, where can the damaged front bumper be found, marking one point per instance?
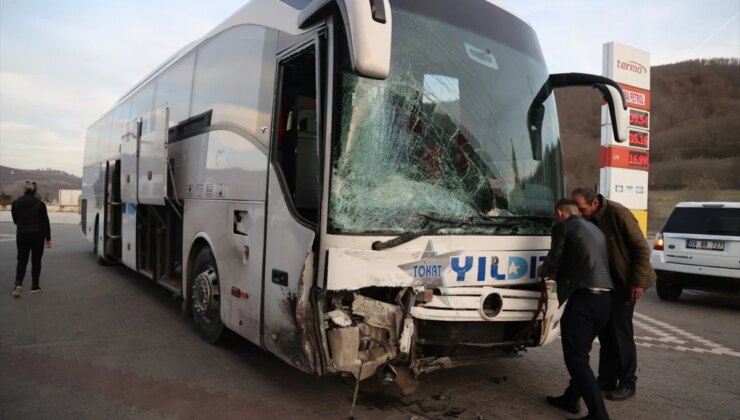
(421, 332)
(361, 346)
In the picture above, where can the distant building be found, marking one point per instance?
(69, 198)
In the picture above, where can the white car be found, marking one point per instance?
(698, 247)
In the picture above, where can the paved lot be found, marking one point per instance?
(103, 342)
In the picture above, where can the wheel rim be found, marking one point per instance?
(206, 294)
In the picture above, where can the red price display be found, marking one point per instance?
(639, 119)
(639, 139)
(623, 157)
(638, 159)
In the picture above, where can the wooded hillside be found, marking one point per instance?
(48, 183)
(694, 134)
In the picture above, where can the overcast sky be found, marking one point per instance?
(64, 63)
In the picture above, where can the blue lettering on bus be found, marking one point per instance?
(427, 271)
(494, 271)
(481, 268)
(515, 268)
(532, 267)
(461, 270)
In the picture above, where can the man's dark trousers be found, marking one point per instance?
(586, 315)
(29, 243)
(618, 354)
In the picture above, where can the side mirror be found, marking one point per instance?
(609, 90)
(368, 27)
(535, 117)
(617, 110)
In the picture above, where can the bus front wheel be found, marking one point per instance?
(206, 297)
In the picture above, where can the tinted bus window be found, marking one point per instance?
(228, 71)
(173, 89)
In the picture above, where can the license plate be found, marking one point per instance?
(710, 245)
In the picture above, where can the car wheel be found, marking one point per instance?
(668, 291)
(205, 297)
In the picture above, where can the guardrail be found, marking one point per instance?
(51, 208)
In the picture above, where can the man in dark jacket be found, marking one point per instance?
(32, 221)
(629, 263)
(578, 260)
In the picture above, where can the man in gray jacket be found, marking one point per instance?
(632, 273)
(578, 260)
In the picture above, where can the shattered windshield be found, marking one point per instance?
(451, 132)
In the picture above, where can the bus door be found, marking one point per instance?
(112, 211)
(293, 203)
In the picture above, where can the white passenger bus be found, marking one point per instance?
(358, 186)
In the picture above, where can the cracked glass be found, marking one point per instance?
(454, 132)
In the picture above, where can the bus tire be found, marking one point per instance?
(206, 297)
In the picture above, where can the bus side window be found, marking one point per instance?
(296, 149)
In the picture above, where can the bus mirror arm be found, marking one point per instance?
(619, 114)
(607, 88)
(535, 117)
(368, 28)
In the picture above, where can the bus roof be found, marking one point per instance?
(275, 14)
(269, 13)
(507, 10)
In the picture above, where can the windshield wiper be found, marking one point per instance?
(444, 222)
(542, 220)
(410, 236)
(441, 223)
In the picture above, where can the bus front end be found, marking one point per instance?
(439, 302)
(441, 193)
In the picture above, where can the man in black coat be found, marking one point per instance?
(33, 230)
(578, 260)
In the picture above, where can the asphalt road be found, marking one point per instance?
(104, 342)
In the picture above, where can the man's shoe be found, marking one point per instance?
(622, 393)
(17, 291)
(35, 289)
(607, 386)
(565, 404)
